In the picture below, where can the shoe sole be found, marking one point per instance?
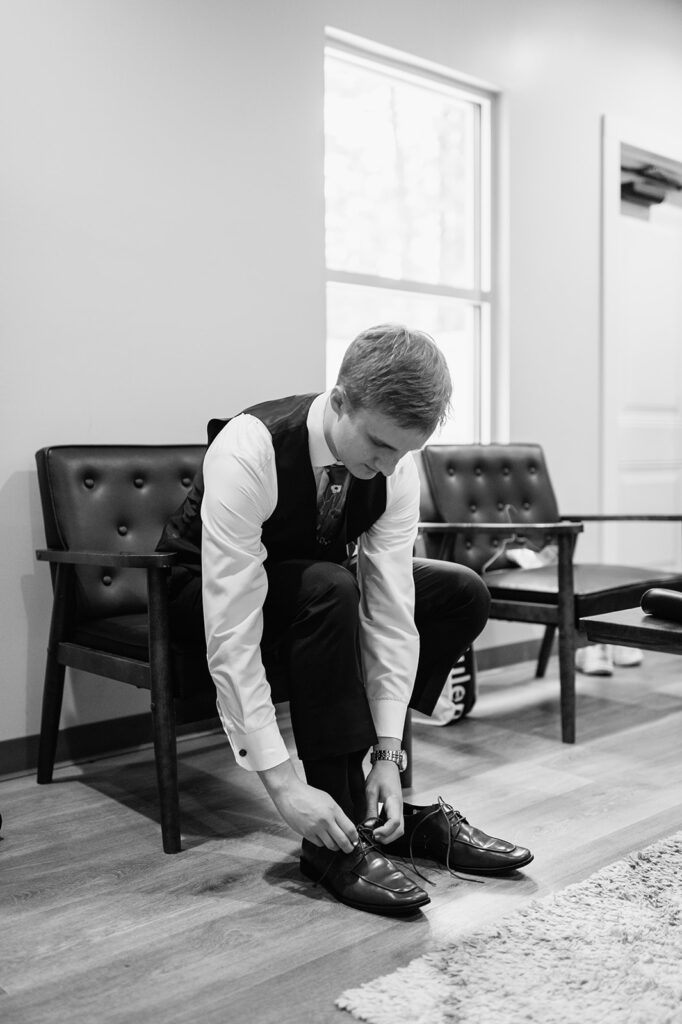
(316, 876)
(494, 871)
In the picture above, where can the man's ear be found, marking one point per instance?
(338, 400)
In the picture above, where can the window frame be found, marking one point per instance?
(482, 297)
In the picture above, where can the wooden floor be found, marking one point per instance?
(98, 925)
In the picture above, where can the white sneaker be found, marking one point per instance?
(594, 660)
(627, 657)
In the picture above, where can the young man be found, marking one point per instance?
(287, 486)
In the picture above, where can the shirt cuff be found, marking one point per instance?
(388, 717)
(260, 750)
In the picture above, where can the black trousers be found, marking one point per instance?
(310, 632)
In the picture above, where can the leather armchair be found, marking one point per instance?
(104, 508)
(478, 501)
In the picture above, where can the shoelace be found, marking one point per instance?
(365, 842)
(453, 818)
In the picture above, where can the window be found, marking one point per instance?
(407, 190)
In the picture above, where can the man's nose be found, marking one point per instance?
(386, 464)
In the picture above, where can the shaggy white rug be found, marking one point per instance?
(605, 951)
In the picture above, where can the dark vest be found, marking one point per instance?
(290, 530)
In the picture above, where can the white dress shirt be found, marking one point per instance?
(240, 493)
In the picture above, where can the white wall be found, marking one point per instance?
(161, 234)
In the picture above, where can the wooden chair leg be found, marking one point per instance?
(406, 777)
(53, 688)
(545, 651)
(163, 723)
(567, 686)
(163, 712)
(567, 639)
(53, 693)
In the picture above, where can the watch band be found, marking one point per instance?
(398, 757)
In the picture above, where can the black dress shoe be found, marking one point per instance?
(365, 879)
(444, 835)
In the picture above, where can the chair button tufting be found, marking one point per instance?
(468, 545)
(478, 470)
(526, 505)
(532, 469)
(451, 470)
(496, 542)
(505, 471)
(138, 481)
(186, 481)
(500, 506)
(89, 482)
(106, 580)
(123, 530)
(473, 507)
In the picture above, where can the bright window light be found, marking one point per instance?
(407, 208)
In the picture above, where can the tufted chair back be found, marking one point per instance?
(477, 483)
(112, 498)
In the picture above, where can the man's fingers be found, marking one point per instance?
(343, 839)
(348, 830)
(393, 826)
(387, 832)
(372, 805)
(334, 837)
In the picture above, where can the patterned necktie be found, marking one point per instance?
(332, 491)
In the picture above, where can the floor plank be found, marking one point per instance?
(99, 925)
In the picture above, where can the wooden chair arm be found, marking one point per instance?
(624, 518)
(152, 560)
(562, 529)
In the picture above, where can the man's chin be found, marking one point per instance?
(363, 472)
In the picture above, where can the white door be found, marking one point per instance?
(642, 374)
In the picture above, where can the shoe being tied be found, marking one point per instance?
(365, 879)
(444, 835)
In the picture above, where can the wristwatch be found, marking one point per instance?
(398, 757)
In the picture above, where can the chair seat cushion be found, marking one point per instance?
(598, 587)
(126, 636)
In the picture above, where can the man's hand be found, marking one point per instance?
(383, 786)
(310, 812)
